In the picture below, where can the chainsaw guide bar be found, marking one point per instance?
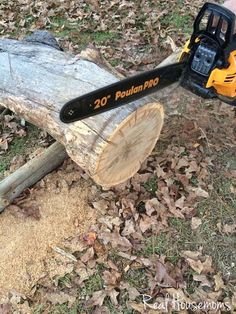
(120, 93)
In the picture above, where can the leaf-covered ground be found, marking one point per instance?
(169, 232)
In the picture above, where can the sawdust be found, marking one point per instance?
(27, 237)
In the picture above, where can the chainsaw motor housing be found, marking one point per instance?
(210, 55)
(206, 67)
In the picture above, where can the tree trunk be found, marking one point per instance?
(37, 80)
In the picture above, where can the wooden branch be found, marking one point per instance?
(27, 175)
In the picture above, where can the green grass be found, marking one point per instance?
(19, 147)
(38, 309)
(84, 38)
(94, 283)
(136, 278)
(72, 30)
(219, 208)
(151, 185)
(170, 244)
(182, 22)
(64, 281)
(64, 309)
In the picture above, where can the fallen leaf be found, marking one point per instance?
(60, 298)
(191, 254)
(90, 237)
(203, 280)
(115, 239)
(234, 300)
(229, 229)
(197, 266)
(101, 205)
(145, 223)
(129, 228)
(195, 223)
(5, 308)
(162, 277)
(200, 192)
(97, 298)
(180, 202)
(111, 278)
(113, 294)
(207, 265)
(219, 283)
(3, 144)
(88, 255)
(133, 293)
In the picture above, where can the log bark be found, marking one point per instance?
(37, 79)
(29, 174)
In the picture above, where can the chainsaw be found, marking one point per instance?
(206, 67)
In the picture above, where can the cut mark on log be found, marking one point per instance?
(119, 162)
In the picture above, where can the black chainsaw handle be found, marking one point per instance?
(218, 19)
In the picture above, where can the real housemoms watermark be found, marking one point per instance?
(177, 304)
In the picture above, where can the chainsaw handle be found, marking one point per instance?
(218, 19)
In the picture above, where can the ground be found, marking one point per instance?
(169, 232)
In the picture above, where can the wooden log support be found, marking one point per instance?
(29, 174)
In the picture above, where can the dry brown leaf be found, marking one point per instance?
(207, 265)
(101, 205)
(203, 279)
(115, 239)
(111, 278)
(60, 298)
(145, 223)
(229, 229)
(133, 293)
(83, 271)
(197, 266)
(113, 294)
(5, 308)
(90, 237)
(200, 192)
(88, 255)
(180, 202)
(234, 300)
(182, 162)
(195, 223)
(191, 254)
(112, 265)
(3, 144)
(97, 298)
(162, 277)
(219, 283)
(129, 228)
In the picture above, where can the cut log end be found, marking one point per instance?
(129, 145)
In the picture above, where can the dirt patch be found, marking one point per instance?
(55, 210)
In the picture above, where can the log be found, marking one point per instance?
(29, 174)
(38, 78)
